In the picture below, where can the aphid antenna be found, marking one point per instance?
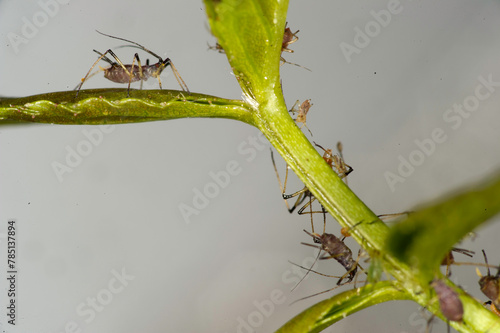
(284, 61)
(131, 42)
(307, 270)
(487, 265)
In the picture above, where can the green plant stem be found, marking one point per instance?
(112, 106)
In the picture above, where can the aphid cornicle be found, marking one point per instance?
(120, 73)
(490, 286)
(450, 304)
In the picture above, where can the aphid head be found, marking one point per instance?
(489, 284)
(316, 238)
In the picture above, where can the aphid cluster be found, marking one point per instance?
(327, 242)
(449, 300)
(121, 73)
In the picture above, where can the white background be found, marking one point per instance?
(119, 209)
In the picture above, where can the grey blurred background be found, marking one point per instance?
(117, 211)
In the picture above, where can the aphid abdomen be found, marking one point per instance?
(116, 74)
(340, 252)
(449, 302)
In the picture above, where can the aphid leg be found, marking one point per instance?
(301, 194)
(284, 61)
(103, 56)
(282, 188)
(352, 273)
(178, 77)
(131, 73)
(393, 215)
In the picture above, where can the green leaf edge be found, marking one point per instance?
(427, 235)
(327, 312)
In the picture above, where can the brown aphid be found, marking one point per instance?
(449, 259)
(302, 112)
(338, 251)
(301, 195)
(342, 169)
(336, 161)
(450, 304)
(120, 73)
(289, 37)
(217, 47)
(490, 286)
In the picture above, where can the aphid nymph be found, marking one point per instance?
(449, 302)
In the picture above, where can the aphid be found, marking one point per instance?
(449, 302)
(338, 251)
(289, 37)
(303, 194)
(337, 161)
(449, 259)
(120, 73)
(302, 112)
(490, 286)
(217, 47)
